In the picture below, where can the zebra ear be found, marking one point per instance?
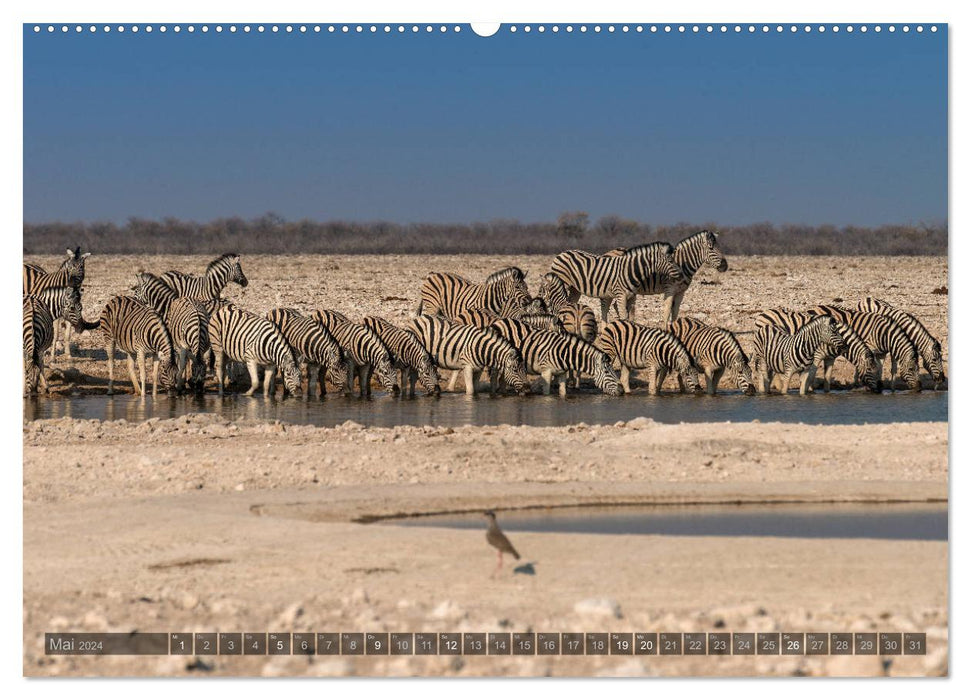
(70, 253)
(84, 255)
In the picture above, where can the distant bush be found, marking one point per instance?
(270, 233)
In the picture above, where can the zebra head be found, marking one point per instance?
(385, 372)
(70, 309)
(868, 370)
(536, 305)
(743, 375)
(689, 375)
(713, 254)
(552, 290)
(198, 378)
(337, 368)
(907, 366)
(74, 265)
(514, 373)
(428, 375)
(605, 377)
(229, 266)
(168, 375)
(292, 379)
(934, 360)
(829, 335)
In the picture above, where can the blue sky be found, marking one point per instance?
(730, 128)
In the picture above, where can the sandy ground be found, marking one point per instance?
(388, 286)
(199, 524)
(214, 526)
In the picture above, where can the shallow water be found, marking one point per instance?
(452, 410)
(827, 521)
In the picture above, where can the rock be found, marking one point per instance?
(641, 423)
(598, 607)
(188, 601)
(447, 610)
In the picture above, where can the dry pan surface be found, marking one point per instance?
(388, 285)
(199, 524)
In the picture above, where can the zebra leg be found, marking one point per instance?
(547, 375)
(412, 380)
(469, 371)
(269, 381)
(454, 379)
(254, 377)
(312, 371)
(787, 380)
(713, 377)
(893, 374)
(141, 369)
(110, 351)
(181, 364)
(828, 365)
(561, 382)
(41, 379)
(625, 378)
(218, 360)
(807, 380)
(660, 374)
(130, 360)
(631, 302)
(351, 373)
(67, 340)
(365, 379)
(156, 363)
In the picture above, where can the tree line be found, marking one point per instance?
(271, 233)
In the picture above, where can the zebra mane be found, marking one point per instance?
(690, 240)
(225, 256)
(655, 247)
(506, 273)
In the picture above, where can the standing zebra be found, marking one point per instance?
(245, 337)
(471, 350)
(644, 269)
(635, 346)
(714, 350)
(856, 350)
(365, 352)
(928, 346)
(188, 324)
(137, 330)
(777, 350)
(314, 345)
(70, 274)
(220, 272)
(448, 295)
(885, 337)
(409, 357)
(690, 254)
(554, 355)
(38, 335)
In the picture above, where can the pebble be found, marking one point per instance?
(641, 423)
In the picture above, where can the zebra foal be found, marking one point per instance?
(778, 351)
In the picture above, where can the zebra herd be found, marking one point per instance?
(494, 330)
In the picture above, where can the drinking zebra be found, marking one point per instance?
(188, 324)
(454, 346)
(885, 337)
(245, 337)
(38, 335)
(70, 274)
(856, 350)
(136, 330)
(315, 346)
(690, 254)
(554, 355)
(714, 350)
(576, 318)
(634, 346)
(220, 272)
(409, 356)
(448, 295)
(778, 351)
(927, 345)
(644, 269)
(364, 351)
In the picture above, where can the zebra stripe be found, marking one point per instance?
(885, 337)
(778, 351)
(365, 352)
(242, 336)
(137, 330)
(448, 295)
(577, 319)
(220, 272)
(62, 303)
(553, 354)
(928, 346)
(856, 350)
(409, 357)
(188, 324)
(315, 345)
(644, 269)
(38, 335)
(714, 350)
(634, 346)
(454, 346)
